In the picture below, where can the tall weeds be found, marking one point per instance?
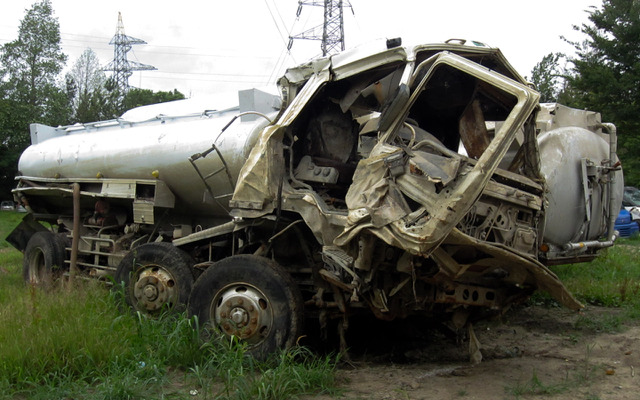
(79, 343)
(612, 280)
(82, 342)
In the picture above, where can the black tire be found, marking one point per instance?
(156, 277)
(252, 298)
(43, 261)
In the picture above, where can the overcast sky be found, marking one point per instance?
(201, 47)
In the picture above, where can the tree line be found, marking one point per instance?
(32, 89)
(603, 76)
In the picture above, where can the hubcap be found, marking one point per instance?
(154, 288)
(243, 311)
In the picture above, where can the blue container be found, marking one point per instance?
(624, 225)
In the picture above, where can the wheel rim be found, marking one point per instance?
(154, 287)
(37, 267)
(243, 311)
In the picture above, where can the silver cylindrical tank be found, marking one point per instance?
(561, 152)
(135, 151)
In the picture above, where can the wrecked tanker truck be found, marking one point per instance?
(397, 181)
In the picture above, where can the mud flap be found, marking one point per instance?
(20, 236)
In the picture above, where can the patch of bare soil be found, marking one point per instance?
(533, 352)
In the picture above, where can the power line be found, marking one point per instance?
(120, 66)
(204, 77)
(275, 22)
(210, 74)
(102, 42)
(331, 32)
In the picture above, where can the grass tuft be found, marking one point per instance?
(535, 386)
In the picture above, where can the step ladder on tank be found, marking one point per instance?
(224, 168)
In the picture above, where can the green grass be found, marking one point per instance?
(612, 280)
(76, 342)
(10, 259)
(581, 377)
(8, 221)
(535, 386)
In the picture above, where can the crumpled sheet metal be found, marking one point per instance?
(324, 224)
(376, 203)
(257, 185)
(421, 233)
(259, 179)
(545, 278)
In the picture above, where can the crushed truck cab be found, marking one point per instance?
(396, 181)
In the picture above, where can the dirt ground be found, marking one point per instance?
(532, 352)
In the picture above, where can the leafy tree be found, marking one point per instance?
(549, 78)
(14, 119)
(29, 66)
(606, 75)
(86, 87)
(141, 97)
(32, 62)
(113, 99)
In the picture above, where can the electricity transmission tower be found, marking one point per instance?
(331, 32)
(121, 67)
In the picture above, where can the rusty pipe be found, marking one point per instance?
(76, 231)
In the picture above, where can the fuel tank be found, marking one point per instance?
(160, 148)
(577, 200)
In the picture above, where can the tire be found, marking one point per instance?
(156, 277)
(43, 261)
(251, 298)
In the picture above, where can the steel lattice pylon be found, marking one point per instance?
(121, 67)
(331, 32)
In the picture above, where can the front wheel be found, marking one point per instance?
(156, 277)
(251, 298)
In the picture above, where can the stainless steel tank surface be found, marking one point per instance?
(561, 153)
(147, 150)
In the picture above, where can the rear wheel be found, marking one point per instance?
(43, 259)
(156, 277)
(251, 298)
